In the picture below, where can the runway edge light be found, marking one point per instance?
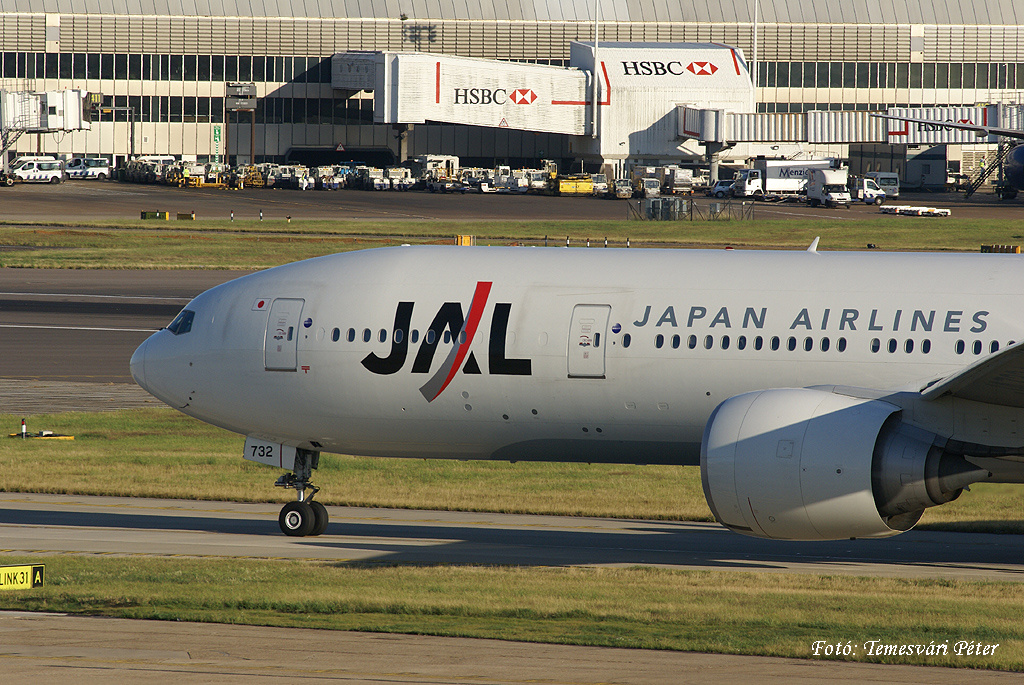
(21, 577)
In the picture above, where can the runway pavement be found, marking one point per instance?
(66, 524)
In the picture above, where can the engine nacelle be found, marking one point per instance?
(804, 464)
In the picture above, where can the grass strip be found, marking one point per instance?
(246, 245)
(650, 608)
(162, 453)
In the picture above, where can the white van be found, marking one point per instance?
(88, 167)
(31, 158)
(40, 171)
(888, 181)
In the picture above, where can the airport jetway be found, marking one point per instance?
(413, 88)
(45, 112)
(637, 90)
(718, 126)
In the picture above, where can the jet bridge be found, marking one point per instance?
(718, 126)
(45, 112)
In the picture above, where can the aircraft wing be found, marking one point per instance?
(996, 379)
(980, 130)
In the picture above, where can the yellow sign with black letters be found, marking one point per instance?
(21, 577)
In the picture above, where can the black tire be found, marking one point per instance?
(878, 200)
(320, 518)
(720, 194)
(101, 177)
(296, 519)
(55, 179)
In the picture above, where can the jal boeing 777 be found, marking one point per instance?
(825, 395)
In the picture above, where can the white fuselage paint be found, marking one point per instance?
(649, 406)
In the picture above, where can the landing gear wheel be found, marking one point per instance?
(320, 518)
(297, 519)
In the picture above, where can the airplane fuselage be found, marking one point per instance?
(592, 355)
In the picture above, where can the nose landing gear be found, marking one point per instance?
(304, 516)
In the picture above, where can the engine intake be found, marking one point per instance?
(806, 464)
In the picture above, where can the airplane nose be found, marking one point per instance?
(138, 364)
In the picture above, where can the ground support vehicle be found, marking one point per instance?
(828, 187)
(888, 181)
(866, 190)
(88, 167)
(776, 179)
(42, 171)
(623, 189)
(576, 184)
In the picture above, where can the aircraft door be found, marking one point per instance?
(588, 340)
(280, 350)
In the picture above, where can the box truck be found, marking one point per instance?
(828, 187)
(776, 179)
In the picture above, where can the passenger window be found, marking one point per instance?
(336, 335)
(659, 341)
(892, 345)
(926, 346)
(675, 342)
(959, 347)
(447, 337)
(841, 345)
(351, 335)
(825, 344)
(415, 337)
(741, 342)
(775, 343)
(908, 346)
(791, 343)
(367, 335)
(876, 344)
(758, 343)
(994, 347)
(626, 339)
(725, 342)
(382, 335)
(182, 323)
(691, 342)
(709, 342)
(977, 347)
(808, 344)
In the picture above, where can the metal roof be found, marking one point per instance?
(896, 12)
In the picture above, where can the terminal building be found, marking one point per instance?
(162, 68)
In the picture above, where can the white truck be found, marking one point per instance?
(828, 187)
(866, 190)
(776, 179)
(888, 181)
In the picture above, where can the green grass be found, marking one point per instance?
(247, 244)
(651, 608)
(161, 453)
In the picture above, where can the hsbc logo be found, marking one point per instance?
(523, 96)
(664, 68)
(701, 68)
(493, 96)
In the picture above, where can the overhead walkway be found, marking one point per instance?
(717, 126)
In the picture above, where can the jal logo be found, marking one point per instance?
(461, 328)
(523, 96)
(701, 68)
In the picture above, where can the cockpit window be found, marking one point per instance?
(182, 323)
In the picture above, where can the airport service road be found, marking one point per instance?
(106, 200)
(47, 524)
